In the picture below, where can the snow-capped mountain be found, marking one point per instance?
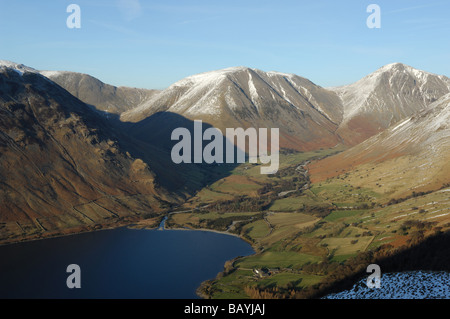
(309, 116)
(240, 88)
(306, 114)
(384, 97)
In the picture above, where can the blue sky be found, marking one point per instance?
(152, 44)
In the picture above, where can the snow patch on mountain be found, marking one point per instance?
(401, 124)
(205, 79)
(355, 95)
(50, 74)
(253, 91)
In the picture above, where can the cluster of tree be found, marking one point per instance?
(223, 223)
(414, 194)
(322, 268)
(417, 224)
(290, 291)
(276, 187)
(366, 205)
(257, 293)
(318, 211)
(288, 151)
(171, 224)
(445, 185)
(290, 178)
(241, 204)
(148, 215)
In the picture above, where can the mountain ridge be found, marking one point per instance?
(309, 116)
(348, 114)
(105, 97)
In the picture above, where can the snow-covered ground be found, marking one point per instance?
(403, 285)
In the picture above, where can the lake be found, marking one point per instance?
(118, 263)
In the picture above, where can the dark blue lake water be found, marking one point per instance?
(118, 263)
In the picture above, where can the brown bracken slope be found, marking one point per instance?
(61, 165)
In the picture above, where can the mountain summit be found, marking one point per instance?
(384, 97)
(306, 114)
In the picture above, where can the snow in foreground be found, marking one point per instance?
(403, 285)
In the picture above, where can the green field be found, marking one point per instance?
(273, 259)
(207, 195)
(348, 245)
(292, 204)
(257, 230)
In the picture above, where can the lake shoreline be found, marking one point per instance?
(70, 232)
